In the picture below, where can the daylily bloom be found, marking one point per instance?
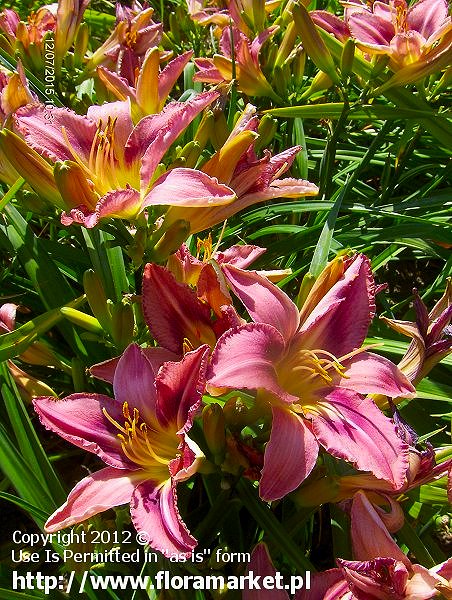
(406, 34)
(431, 335)
(106, 167)
(152, 85)
(253, 179)
(245, 55)
(124, 50)
(142, 436)
(310, 368)
(380, 569)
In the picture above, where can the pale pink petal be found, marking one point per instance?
(371, 29)
(354, 429)
(155, 514)
(180, 386)
(427, 16)
(239, 256)
(173, 312)
(208, 73)
(259, 41)
(279, 188)
(340, 321)
(98, 492)
(261, 564)
(115, 111)
(367, 373)
(245, 358)
(156, 356)
(79, 419)
(81, 215)
(289, 457)
(188, 187)
(134, 382)
(119, 204)
(370, 538)
(331, 24)
(421, 585)
(264, 301)
(42, 128)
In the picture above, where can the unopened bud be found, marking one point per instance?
(214, 431)
(97, 298)
(122, 324)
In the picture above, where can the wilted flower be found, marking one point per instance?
(142, 436)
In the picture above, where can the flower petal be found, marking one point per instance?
(427, 16)
(244, 358)
(239, 256)
(42, 128)
(119, 113)
(98, 492)
(134, 382)
(173, 312)
(370, 538)
(264, 301)
(79, 419)
(156, 356)
(354, 429)
(180, 386)
(188, 187)
(154, 512)
(261, 564)
(368, 373)
(371, 29)
(284, 470)
(340, 321)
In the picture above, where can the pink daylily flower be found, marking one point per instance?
(142, 436)
(105, 167)
(380, 569)
(407, 34)
(253, 179)
(310, 367)
(124, 50)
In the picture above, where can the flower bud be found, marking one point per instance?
(214, 431)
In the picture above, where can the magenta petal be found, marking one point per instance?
(79, 419)
(261, 564)
(330, 23)
(7, 317)
(156, 356)
(239, 256)
(81, 215)
(354, 429)
(42, 128)
(155, 514)
(340, 321)
(323, 586)
(245, 358)
(98, 492)
(427, 16)
(382, 578)
(285, 470)
(370, 538)
(180, 386)
(367, 373)
(371, 29)
(169, 123)
(171, 72)
(134, 382)
(173, 312)
(188, 187)
(264, 301)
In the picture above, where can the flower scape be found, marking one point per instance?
(225, 327)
